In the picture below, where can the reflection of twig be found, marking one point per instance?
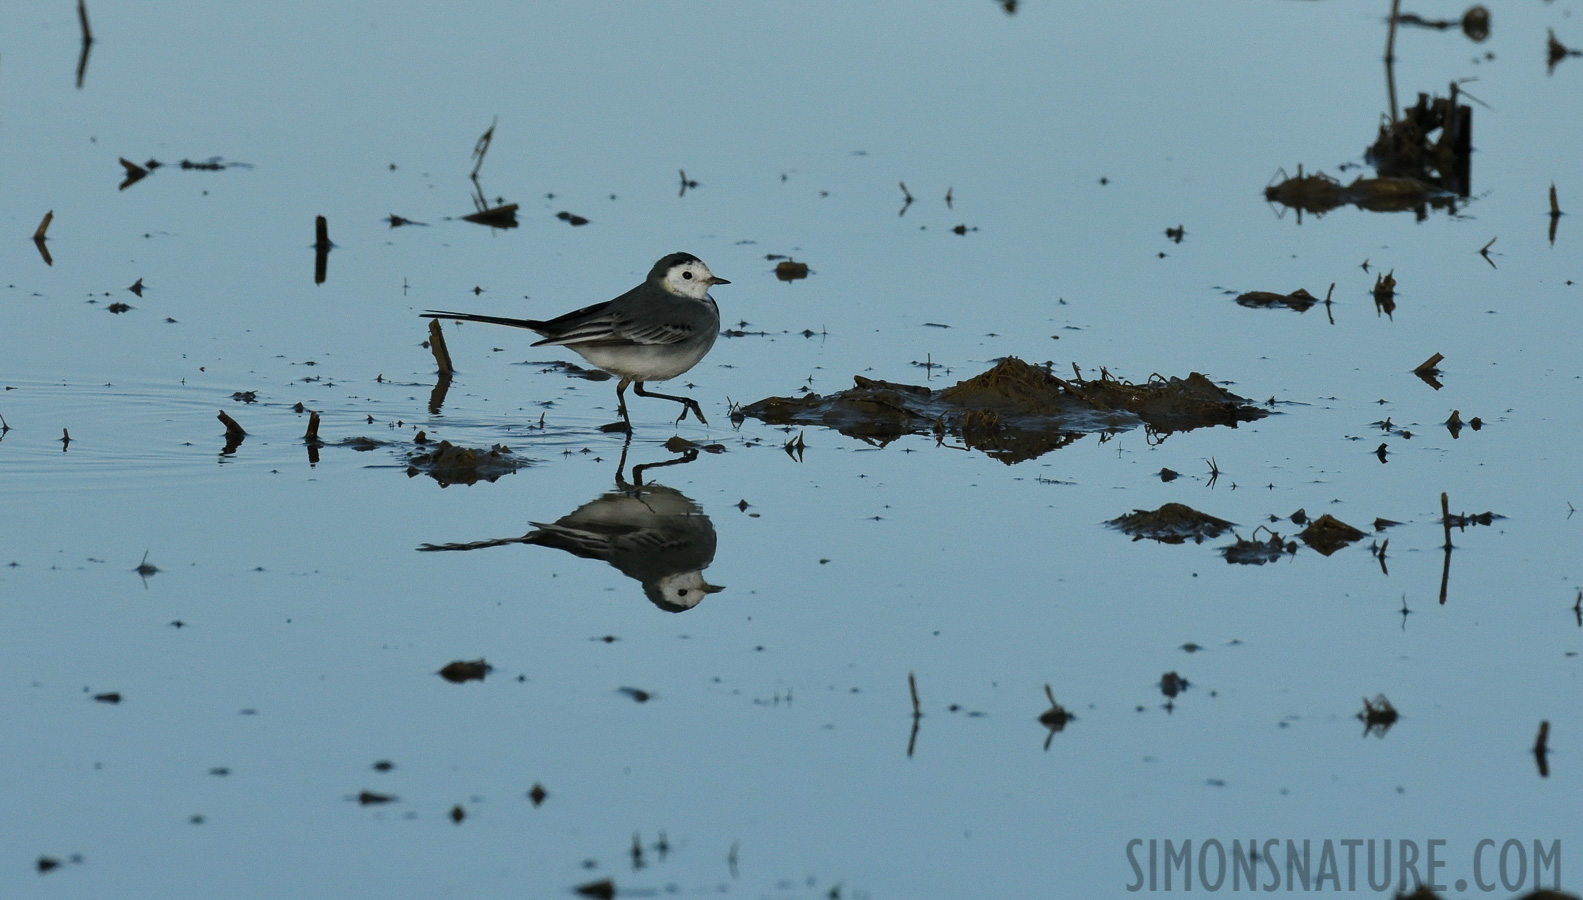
(1542, 749)
(1484, 251)
(907, 199)
(1390, 58)
(321, 248)
(1445, 520)
(917, 713)
(87, 41)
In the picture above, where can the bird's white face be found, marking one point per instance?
(684, 590)
(690, 279)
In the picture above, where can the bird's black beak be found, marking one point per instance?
(715, 279)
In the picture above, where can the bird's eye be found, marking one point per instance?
(682, 592)
(688, 275)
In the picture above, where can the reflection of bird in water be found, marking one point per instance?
(649, 532)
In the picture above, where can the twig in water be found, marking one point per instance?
(442, 356)
(232, 428)
(482, 146)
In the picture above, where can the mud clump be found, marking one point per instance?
(1299, 300)
(1014, 411)
(449, 464)
(1255, 552)
(1328, 534)
(1319, 193)
(1172, 523)
(1431, 143)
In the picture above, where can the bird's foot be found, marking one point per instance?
(692, 406)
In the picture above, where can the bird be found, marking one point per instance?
(654, 332)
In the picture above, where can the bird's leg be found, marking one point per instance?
(687, 403)
(621, 404)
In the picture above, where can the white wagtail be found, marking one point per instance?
(657, 330)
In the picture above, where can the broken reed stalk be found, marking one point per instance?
(313, 428)
(442, 356)
(912, 685)
(232, 428)
(43, 225)
(321, 232)
(82, 18)
(1429, 364)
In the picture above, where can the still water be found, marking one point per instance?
(284, 632)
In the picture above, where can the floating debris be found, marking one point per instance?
(374, 798)
(1475, 23)
(1328, 534)
(463, 671)
(1299, 300)
(1172, 684)
(504, 216)
(1429, 371)
(112, 697)
(1385, 293)
(637, 694)
(118, 307)
(1172, 523)
(134, 173)
(137, 287)
(574, 370)
(603, 889)
(1055, 718)
(571, 219)
(791, 270)
(39, 237)
(1377, 716)
(1319, 193)
(1404, 148)
(1254, 552)
(1555, 51)
(450, 464)
(1014, 411)
(537, 794)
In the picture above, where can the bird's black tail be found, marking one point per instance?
(530, 324)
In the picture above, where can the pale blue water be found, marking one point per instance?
(780, 717)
